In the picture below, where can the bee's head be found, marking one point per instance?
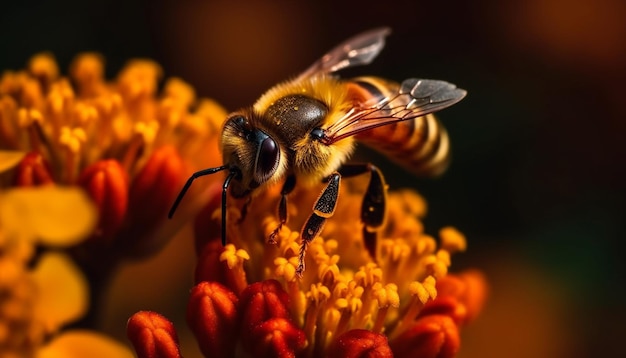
(251, 151)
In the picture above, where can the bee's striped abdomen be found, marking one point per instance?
(420, 145)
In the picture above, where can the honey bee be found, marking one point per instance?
(304, 130)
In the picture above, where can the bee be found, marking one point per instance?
(304, 130)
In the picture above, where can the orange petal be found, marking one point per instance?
(83, 343)
(9, 159)
(434, 336)
(106, 183)
(476, 292)
(446, 305)
(152, 335)
(62, 291)
(460, 296)
(56, 216)
(360, 343)
(212, 316)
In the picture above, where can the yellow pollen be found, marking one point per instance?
(329, 268)
(87, 68)
(444, 257)
(386, 295)
(290, 246)
(72, 139)
(26, 117)
(147, 130)
(180, 92)
(318, 293)
(425, 245)
(452, 240)
(44, 66)
(369, 275)
(233, 257)
(285, 269)
(60, 98)
(424, 290)
(85, 113)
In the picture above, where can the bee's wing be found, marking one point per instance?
(358, 50)
(414, 98)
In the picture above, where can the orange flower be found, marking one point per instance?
(38, 300)
(127, 145)
(401, 303)
(120, 140)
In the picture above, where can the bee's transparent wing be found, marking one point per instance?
(414, 98)
(358, 50)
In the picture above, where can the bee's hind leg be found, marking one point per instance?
(374, 202)
(288, 187)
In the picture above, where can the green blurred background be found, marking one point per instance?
(538, 176)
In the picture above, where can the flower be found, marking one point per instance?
(249, 300)
(121, 141)
(42, 291)
(127, 144)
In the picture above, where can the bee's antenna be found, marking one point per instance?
(193, 177)
(230, 177)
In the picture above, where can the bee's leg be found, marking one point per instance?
(323, 209)
(374, 202)
(290, 183)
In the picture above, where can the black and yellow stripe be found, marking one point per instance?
(420, 145)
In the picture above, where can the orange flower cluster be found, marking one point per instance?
(116, 140)
(127, 145)
(248, 299)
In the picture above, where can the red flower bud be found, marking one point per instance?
(212, 316)
(261, 301)
(433, 336)
(107, 184)
(459, 296)
(475, 293)
(209, 267)
(152, 335)
(445, 305)
(276, 337)
(151, 194)
(33, 170)
(360, 343)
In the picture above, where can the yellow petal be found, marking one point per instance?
(9, 159)
(56, 216)
(83, 343)
(62, 295)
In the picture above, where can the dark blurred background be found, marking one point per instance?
(537, 181)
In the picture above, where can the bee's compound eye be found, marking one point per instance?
(268, 158)
(317, 133)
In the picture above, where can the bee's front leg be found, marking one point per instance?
(288, 187)
(323, 209)
(374, 202)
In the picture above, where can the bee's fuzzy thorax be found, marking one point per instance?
(327, 89)
(312, 161)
